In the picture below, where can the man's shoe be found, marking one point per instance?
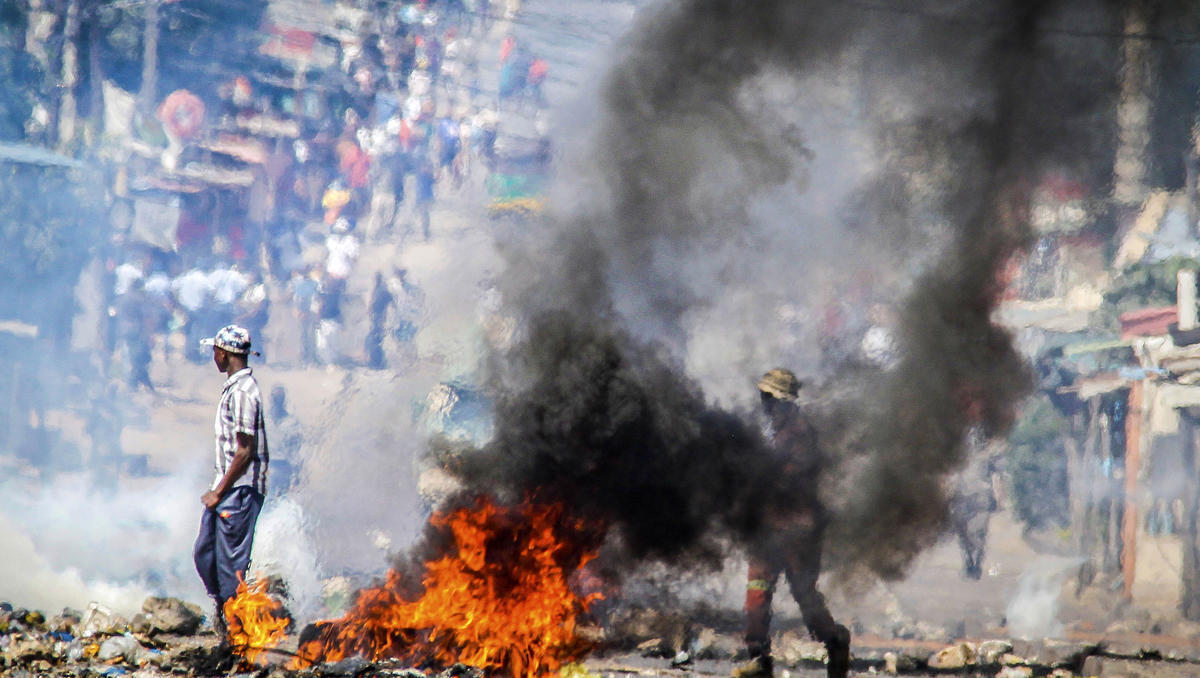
(838, 648)
(759, 666)
(220, 627)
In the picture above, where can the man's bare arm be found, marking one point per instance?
(246, 442)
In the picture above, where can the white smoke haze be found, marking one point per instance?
(344, 502)
(32, 580)
(454, 276)
(1033, 609)
(283, 547)
(358, 488)
(137, 541)
(66, 545)
(761, 290)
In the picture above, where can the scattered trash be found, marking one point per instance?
(119, 646)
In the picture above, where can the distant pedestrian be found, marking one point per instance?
(336, 198)
(973, 500)
(133, 319)
(305, 288)
(538, 69)
(399, 137)
(329, 329)
(448, 147)
(381, 301)
(341, 253)
(159, 310)
(513, 76)
(426, 177)
(506, 48)
(487, 121)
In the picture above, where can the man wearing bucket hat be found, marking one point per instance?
(790, 542)
(231, 505)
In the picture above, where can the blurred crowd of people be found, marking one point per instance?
(411, 124)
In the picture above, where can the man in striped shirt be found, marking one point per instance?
(232, 504)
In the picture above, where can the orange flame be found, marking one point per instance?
(256, 621)
(501, 602)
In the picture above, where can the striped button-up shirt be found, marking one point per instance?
(241, 411)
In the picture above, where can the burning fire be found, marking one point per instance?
(500, 600)
(256, 621)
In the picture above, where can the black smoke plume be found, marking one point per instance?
(611, 428)
(965, 107)
(1021, 98)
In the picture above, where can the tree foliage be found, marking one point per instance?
(1142, 285)
(1037, 462)
(21, 74)
(50, 223)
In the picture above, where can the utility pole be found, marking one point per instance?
(40, 39)
(1129, 191)
(1190, 536)
(70, 75)
(147, 94)
(95, 73)
(1133, 109)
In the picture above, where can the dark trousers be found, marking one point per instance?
(972, 539)
(226, 535)
(796, 553)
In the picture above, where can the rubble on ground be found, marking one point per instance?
(170, 637)
(168, 615)
(793, 649)
(955, 656)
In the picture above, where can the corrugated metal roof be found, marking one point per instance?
(35, 155)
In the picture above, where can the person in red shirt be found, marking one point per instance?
(538, 69)
(353, 163)
(506, 48)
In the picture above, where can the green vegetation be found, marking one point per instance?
(50, 223)
(1037, 463)
(20, 73)
(1142, 285)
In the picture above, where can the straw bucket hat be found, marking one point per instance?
(780, 383)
